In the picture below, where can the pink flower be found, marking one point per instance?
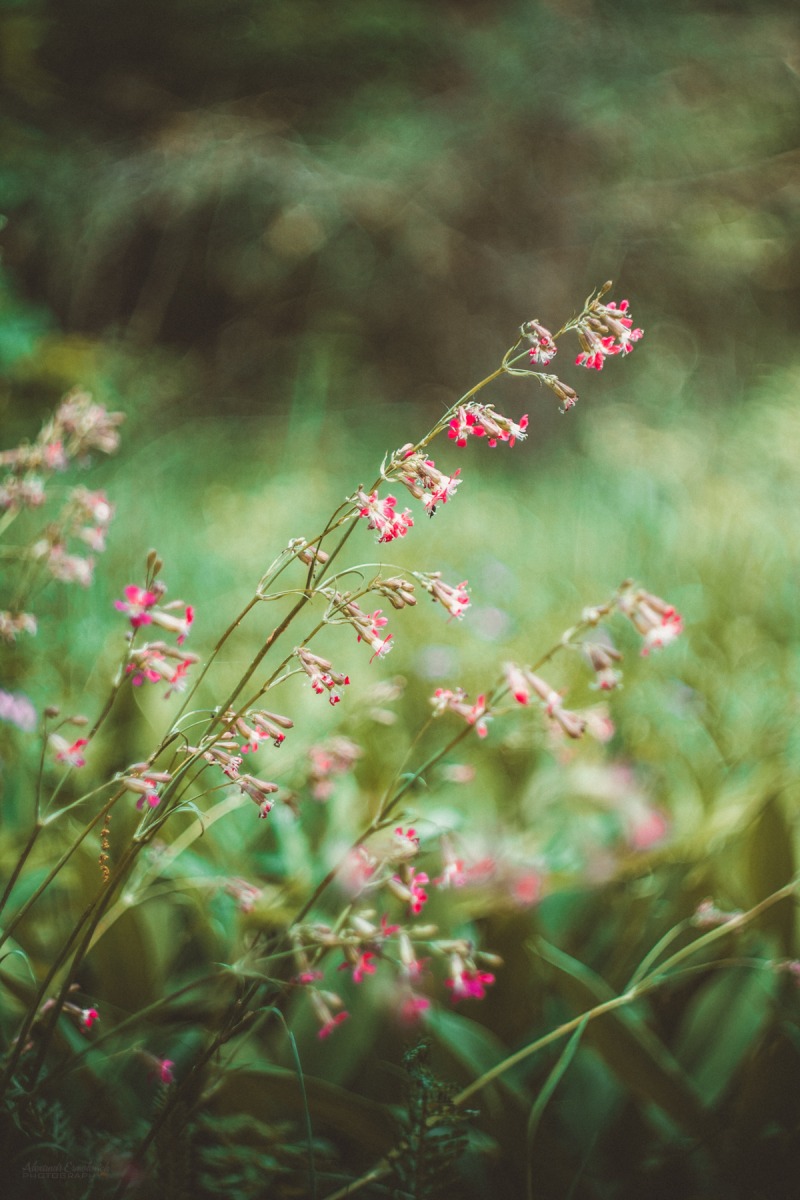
(137, 604)
(604, 331)
(454, 599)
(165, 1072)
(543, 347)
(411, 889)
(445, 700)
(467, 983)
(481, 420)
(70, 755)
(17, 709)
(88, 1017)
(426, 482)
(368, 627)
(362, 964)
(327, 1029)
(382, 517)
(658, 622)
(320, 672)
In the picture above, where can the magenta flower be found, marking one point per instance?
(137, 605)
(70, 755)
(382, 517)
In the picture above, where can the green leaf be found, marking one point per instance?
(629, 1047)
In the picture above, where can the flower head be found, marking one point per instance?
(381, 515)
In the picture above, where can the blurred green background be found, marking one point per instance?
(282, 238)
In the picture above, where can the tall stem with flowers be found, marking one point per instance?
(202, 754)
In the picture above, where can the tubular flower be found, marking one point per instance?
(466, 981)
(319, 671)
(445, 700)
(69, 755)
(454, 599)
(156, 662)
(543, 347)
(382, 517)
(658, 622)
(259, 791)
(257, 727)
(601, 659)
(368, 626)
(605, 330)
(137, 604)
(481, 420)
(426, 482)
(523, 684)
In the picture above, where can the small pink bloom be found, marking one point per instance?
(137, 604)
(88, 1017)
(70, 755)
(382, 517)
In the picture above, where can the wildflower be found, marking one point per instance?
(259, 726)
(454, 599)
(426, 482)
(66, 568)
(88, 1017)
(605, 330)
(137, 604)
(467, 982)
(525, 683)
(259, 791)
(481, 420)
(156, 662)
(143, 781)
(83, 425)
(543, 347)
(368, 626)
(218, 754)
(321, 1003)
(362, 964)
(602, 657)
(166, 619)
(566, 394)
(382, 517)
(322, 677)
(445, 700)
(411, 889)
(25, 492)
(166, 1074)
(329, 759)
(453, 873)
(657, 622)
(16, 709)
(69, 755)
(398, 591)
(13, 624)
(244, 893)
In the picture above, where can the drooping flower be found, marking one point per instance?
(543, 347)
(70, 755)
(453, 598)
(425, 481)
(447, 700)
(605, 330)
(381, 515)
(466, 981)
(481, 420)
(321, 674)
(658, 622)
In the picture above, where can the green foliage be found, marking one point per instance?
(435, 1131)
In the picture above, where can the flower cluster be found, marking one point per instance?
(604, 330)
(320, 672)
(381, 515)
(543, 347)
(481, 420)
(158, 662)
(658, 622)
(424, 480)
(447, 700)
(328, 759)
(368, 626)
(454, 599)
(144, 608)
